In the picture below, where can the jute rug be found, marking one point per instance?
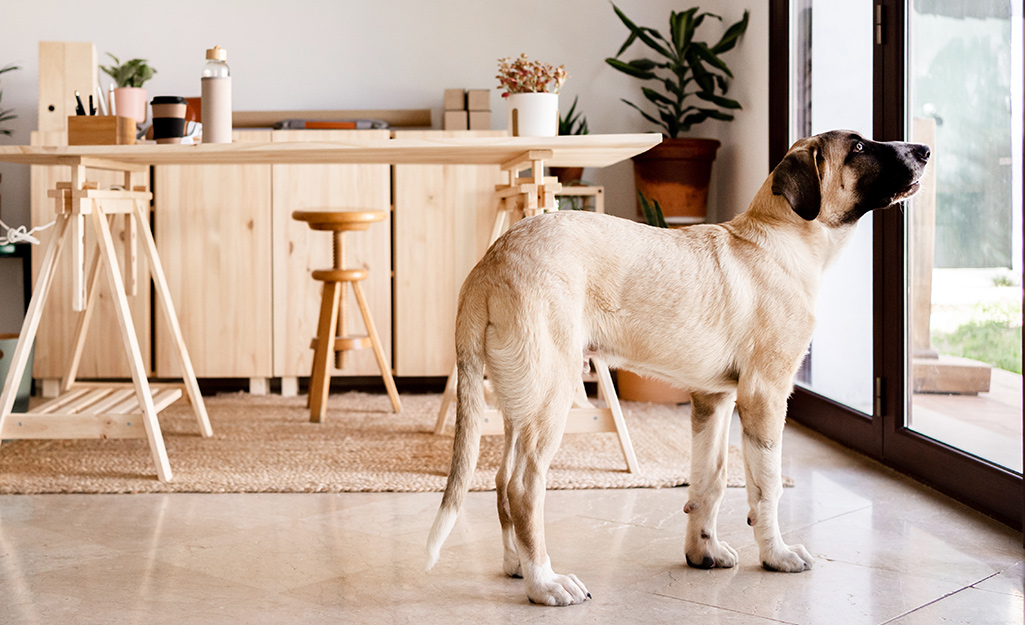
(267, 444)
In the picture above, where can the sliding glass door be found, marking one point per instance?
(917, 359)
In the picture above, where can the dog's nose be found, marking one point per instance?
(921, 152)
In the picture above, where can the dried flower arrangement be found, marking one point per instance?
(525, 76)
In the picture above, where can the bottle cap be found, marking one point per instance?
(217, 53)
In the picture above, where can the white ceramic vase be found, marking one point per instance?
(533, 114)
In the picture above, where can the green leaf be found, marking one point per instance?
(731, 36)
(647, 116)
(652, 212)
(701, 50)
(628, 68)
(701, 75)
(725, 103)
(642, 34)
(656, 98)
(681, 27)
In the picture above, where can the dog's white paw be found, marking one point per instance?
(710, 553)
(557, 590)
(788, 559)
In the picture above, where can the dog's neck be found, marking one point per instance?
(811, 245)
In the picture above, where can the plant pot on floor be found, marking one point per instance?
(8, 342)
(677, 173)
(568, 176)
(635, 387)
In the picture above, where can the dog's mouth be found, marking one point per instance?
(907, 192)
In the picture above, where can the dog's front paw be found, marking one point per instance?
(711, 553)
(557, 590)
(788, 559)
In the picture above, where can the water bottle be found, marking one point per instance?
(216, 103)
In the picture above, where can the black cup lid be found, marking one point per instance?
(168, 99)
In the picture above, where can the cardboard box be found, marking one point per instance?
(455, 120)
(455, 100)
(100, 130)
(480, 120)
(478, 100)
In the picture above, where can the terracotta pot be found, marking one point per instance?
(634, 387)
(131, 102)
(676, 172)
(567, 175)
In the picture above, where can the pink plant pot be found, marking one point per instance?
(131, 102)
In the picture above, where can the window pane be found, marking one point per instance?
(965, 227)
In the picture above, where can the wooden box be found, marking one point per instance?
(455, 120)
(100, 130)
(478, 100)
(455, 100)
(480, 120)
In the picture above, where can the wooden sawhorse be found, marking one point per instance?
(100, 410)
(528, 197)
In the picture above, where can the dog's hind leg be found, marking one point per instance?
(536, 444)
(762, 413)
(511, 558)
(710, 424)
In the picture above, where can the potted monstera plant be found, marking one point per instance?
(129, 97)
(689, 85)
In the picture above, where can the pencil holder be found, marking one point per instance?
(101, 130)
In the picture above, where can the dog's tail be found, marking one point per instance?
(471, 325)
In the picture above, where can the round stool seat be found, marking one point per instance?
(340, 275)
(340, 221)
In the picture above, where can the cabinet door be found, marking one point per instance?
(212, 225)
(299, 250)
(103, 355)
(443, 219)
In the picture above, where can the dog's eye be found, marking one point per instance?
(859, 147)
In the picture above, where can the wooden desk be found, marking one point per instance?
(74, 202)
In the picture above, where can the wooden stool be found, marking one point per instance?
(331, 329)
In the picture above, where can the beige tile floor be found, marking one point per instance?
(888, 551)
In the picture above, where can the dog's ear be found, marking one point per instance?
(796, 178)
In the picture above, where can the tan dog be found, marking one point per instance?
(724, 310)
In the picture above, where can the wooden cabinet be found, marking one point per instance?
(101, 357)
(212, 225)
(297, 250)
(443, 219)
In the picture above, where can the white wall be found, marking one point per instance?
(347, 54)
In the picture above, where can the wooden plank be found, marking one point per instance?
(130, 344)
(62, 402)
(433, 149)
(116, 396)
(68, 426)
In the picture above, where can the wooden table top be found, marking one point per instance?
(565, 151)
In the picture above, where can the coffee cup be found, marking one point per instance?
(168, 118)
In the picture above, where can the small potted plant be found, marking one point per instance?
(693, 81)
(573, 123)
(532, 92)
(129, 96)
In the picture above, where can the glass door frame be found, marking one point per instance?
(990, 489)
